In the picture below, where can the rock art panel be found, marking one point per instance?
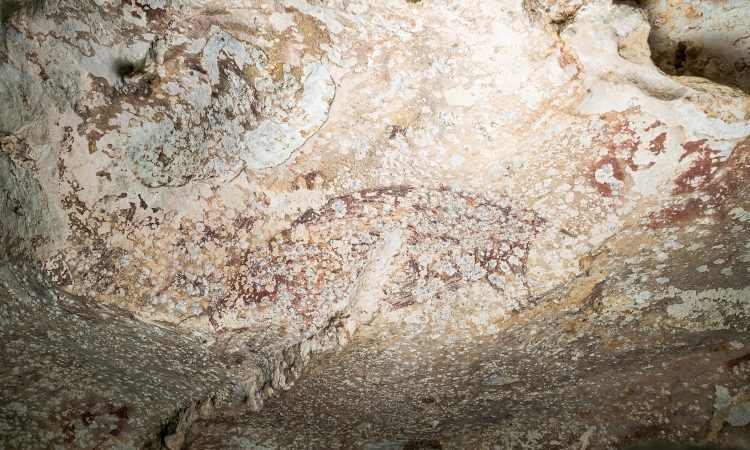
(422, 242)
(461, 213)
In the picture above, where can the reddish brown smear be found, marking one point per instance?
(69, 431)
(657, 144)
(677, 213)
(701, 167)
(619, 125)
(620, 154)
(693, 147)
(395, 130)
(737, 361)
(151, 13)
(731, 179)
(123, 414)
(617, 172)
(87, 417)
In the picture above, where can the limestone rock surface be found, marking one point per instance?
(395, 224)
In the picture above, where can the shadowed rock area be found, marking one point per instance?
(344, 224)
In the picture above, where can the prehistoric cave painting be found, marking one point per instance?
(622, 139)
(702, 168)
(443, 239)
(706, 185)
(90, 424)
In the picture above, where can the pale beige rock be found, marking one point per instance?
(475, 211)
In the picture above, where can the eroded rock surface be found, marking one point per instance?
(519, 224)
(706, 39)
(82, 375)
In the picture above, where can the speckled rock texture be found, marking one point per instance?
(81, 375)
(380, 225)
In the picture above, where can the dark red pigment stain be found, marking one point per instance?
(620, 152)
(739, 360)
(713, 191)
(617, 172)
(123, 414)
(656, 145)
(86, 415)
(151, 13)
(655, 125)
(395, 130)
(669, 216)
(620, 138)
(701, 169)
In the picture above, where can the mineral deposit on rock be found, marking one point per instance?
(397, 224)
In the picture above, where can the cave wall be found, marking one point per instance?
(280, 182)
